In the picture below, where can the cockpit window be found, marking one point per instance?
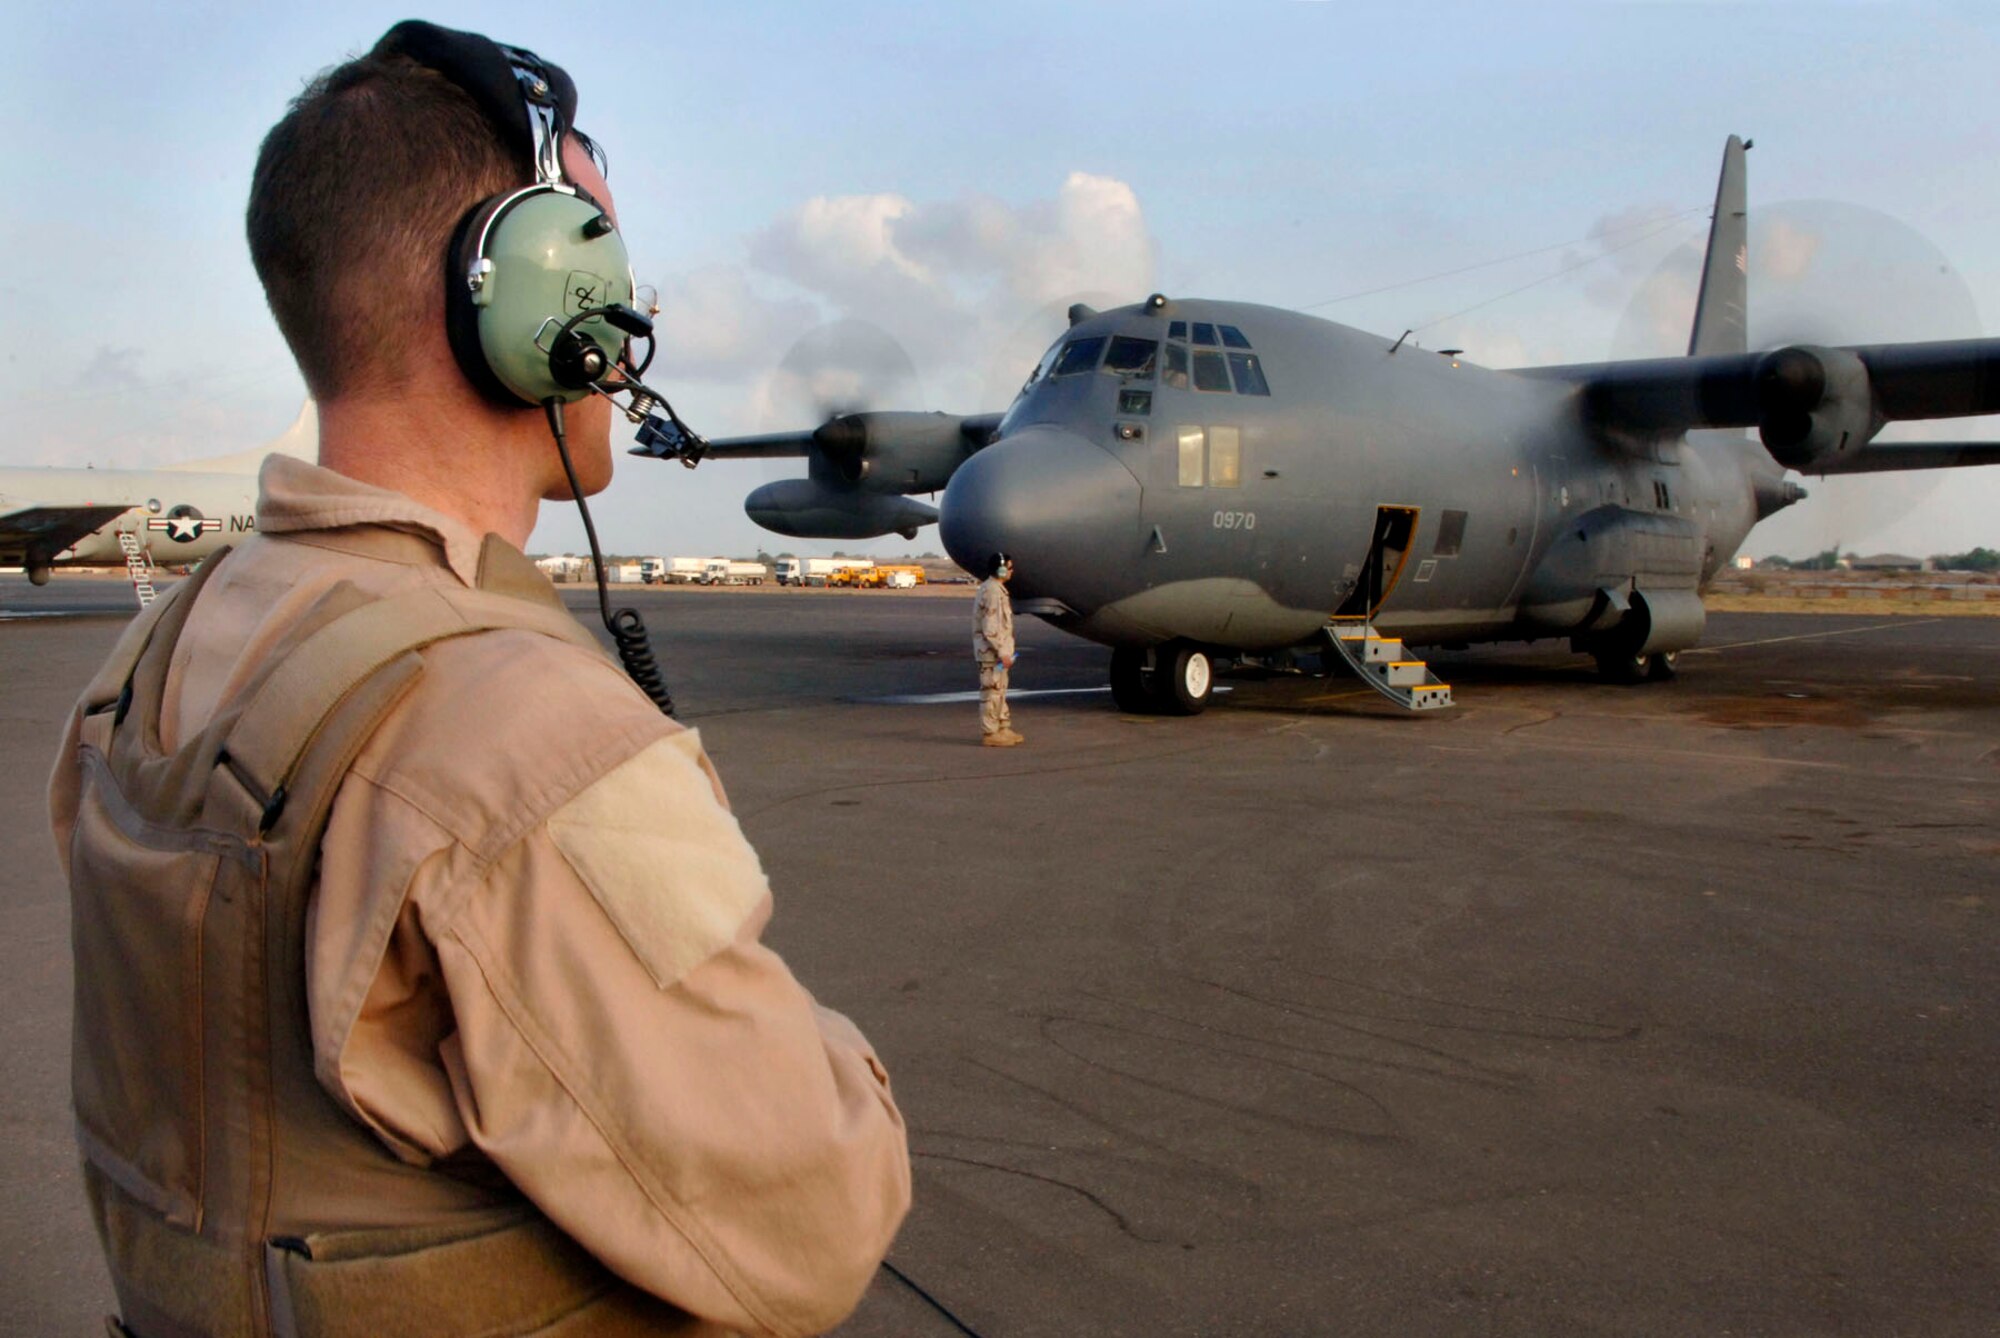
(1177, 329)
(1176, 374)
(1233, 337)
(1210, 372)
(1249, 374)
(1204, 333)
(1042, 367)
(1133, 357)
(1080, 356)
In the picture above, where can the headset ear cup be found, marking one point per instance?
(461, 317)
(576, 361)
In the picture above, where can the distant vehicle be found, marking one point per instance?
(652, 570)
(722, 571)
(820, 571)
(899, 577)
(682, 571)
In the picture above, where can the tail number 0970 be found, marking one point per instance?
(1236, 520)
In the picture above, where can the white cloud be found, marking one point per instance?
(1787, 250)
(864, 298)
(714, 326)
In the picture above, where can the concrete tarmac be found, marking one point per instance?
(1575, 1010)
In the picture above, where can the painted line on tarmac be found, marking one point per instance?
(961, 698)
(1808, 636)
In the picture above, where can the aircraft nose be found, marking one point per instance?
(1066, 511)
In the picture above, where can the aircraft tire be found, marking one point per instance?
(1627, 668)
(1183, 679)
(1128, 682)
(37, 575)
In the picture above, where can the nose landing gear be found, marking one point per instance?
(1175, 679)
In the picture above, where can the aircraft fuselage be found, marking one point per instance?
(175, 517)
(1141, 508)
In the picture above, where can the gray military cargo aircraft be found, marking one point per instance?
(1188, 480)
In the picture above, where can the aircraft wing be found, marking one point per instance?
(51, 529)
(1879, 457)
(1817, 408)
(844, 431)
(768, 446)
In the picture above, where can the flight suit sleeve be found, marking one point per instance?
(993, 623)
(635, 1059)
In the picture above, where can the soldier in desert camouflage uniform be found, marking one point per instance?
(993, 647)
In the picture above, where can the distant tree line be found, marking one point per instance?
(1978, 559)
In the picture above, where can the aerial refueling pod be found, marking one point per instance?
(813, 508)
(1815, 406)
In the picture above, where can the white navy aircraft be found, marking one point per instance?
(1188, 480)
(138, 519)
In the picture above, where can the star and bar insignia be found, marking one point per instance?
(183, 528)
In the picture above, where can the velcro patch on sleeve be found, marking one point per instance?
(665, 860)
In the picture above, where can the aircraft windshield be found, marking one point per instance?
(1080, 356)
(1133, 357)
(1042, 367)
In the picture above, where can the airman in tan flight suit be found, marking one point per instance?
(512, 1058)
(993, 647)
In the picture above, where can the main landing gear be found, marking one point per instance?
(1627, 667)
(1175, 679)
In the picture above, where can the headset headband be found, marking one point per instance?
(530, 101)
(545, 122)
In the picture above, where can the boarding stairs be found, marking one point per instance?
(1384, 665)
(137, 566)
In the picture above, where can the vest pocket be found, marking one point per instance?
(141, 899)
(509, 1274)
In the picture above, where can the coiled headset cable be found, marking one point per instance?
(627, 628)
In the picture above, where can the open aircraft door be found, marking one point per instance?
(1381, 661)
(1388, 555)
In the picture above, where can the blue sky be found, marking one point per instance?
(956, 174)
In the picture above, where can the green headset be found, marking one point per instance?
(538, 285)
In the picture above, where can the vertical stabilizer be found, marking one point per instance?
(1721, 308)
(300, 440)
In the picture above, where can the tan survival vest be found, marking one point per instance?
(233, 1196)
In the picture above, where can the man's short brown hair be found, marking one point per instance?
(357, 192)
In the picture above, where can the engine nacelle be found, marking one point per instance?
(812, 508)
(1815, 405)
(892, 452)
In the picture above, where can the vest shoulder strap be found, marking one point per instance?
(279, 722)
(163, 617)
